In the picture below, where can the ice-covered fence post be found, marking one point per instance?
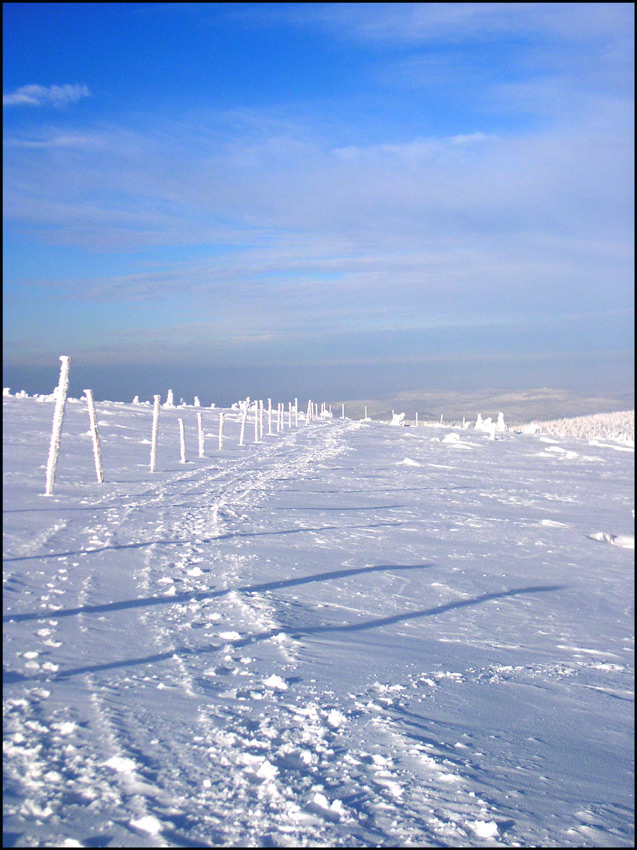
(289, 414)
(308, 415)
(278, 416)
(58, 416)
(342, 411)
(256, 422)
(201, 434)
(153, 442)
(221, 430)
(243, 421)
(96, 440)
(296, 413)
(441, 417)
(261, 419)
(270, 417)
(416, 418)
(182, 441)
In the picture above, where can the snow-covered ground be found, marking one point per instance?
(347, 634)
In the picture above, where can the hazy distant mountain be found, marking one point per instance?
(517, 406)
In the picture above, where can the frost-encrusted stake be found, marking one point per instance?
(416, 418)
(182, 441)
(97, 455)
(256, 422)
(269, 417)
(58, 415)
(221, 430)
(308, 415)
(342, 411)
(289, 414)
(261, 419)
(153, 442)
(296, 413)
(243, 422)
(201, 434)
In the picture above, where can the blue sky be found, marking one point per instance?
(273, 198)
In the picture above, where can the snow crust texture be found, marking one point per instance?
(346, 634)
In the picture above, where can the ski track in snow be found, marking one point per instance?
(206, 657)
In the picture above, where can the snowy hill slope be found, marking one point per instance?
(345, 635)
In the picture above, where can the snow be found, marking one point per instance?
(347, 634)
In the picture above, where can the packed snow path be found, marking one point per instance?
(347, 634)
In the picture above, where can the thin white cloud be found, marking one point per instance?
(36, 95)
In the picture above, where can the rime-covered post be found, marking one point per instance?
(289, 414)
(182, 441)
(201, 433)
(416, 419)
(243, 422)
(153, 442)
(342, 411)
(269, 417)
(97, 455)
(278, 416)
(221, 430)
(256, 422)
(308, 415)
(296, 413)
(261, 419)
(441, 418)
(58, 415)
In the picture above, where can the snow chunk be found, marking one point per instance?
(230, 635)
(451, 438)
(408, 462)
(148, 823)
(276, 683)
(336, 719)
(484, 829)
(121, 764)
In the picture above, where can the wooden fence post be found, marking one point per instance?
(97, 455)
(58, 416)
(153, 443)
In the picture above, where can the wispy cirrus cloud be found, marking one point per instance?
(36, 95)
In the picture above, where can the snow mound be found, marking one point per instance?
(626, 541)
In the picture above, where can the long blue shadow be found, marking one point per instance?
(149, 601)
(310, 630)
(229, 536)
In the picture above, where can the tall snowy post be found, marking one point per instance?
(261, 419)
(278, 416)
(221, 430)
(308, 415)
(243, 422)
(153, 442)
(269, 417)
(441, 418)
(201, 434)
(96, 440)
(256, 422)
(416, 419)
(342, 411)
(58, 416)
(289, 414)
(296, 413)
(182, 441)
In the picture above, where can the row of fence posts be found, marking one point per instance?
(259, 413)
